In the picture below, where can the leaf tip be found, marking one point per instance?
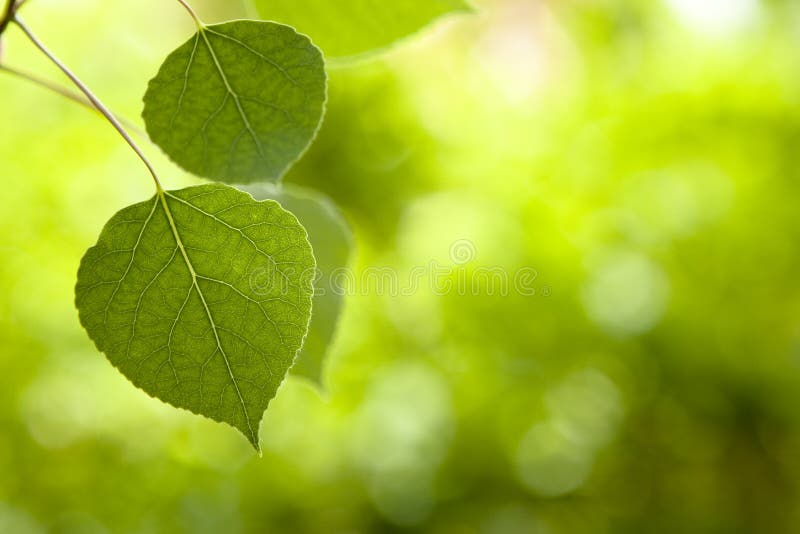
(252, 438)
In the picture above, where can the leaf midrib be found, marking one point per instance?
(162, 198)
(233, 93)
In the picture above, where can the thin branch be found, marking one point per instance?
(92, 98)
(8, 15)
(71, 95)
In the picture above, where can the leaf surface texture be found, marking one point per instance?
(239, 102)
(168, 294)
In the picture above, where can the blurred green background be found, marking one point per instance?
(641, 156)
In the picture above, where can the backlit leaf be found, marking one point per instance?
(239, 102)
(345, 28)
(332, 242)
(202, 298)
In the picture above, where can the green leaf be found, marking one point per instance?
(332, 241)
(239, 102)
(202, 298)
(346, 28)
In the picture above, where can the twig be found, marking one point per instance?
(8, 15)
(71, 95)
(92, 98)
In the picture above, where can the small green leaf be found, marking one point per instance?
(332, 241)
(202, 298)
(345, 28)
(239, 102)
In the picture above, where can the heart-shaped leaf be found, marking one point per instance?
(202, 298)
(239, 102)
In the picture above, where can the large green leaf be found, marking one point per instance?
(202, 298)
(345, 28)
(332, 241)
(239, 102)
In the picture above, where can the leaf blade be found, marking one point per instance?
(353, 28)
(239, 102)
(186, 326)
(332, 241)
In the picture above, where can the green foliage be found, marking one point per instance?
(239, 102)
(332, 242)
(609, 145)
(201, 297)
(352, 27)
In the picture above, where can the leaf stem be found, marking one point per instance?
(92, 98)
(66, 93)
(196, 19)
